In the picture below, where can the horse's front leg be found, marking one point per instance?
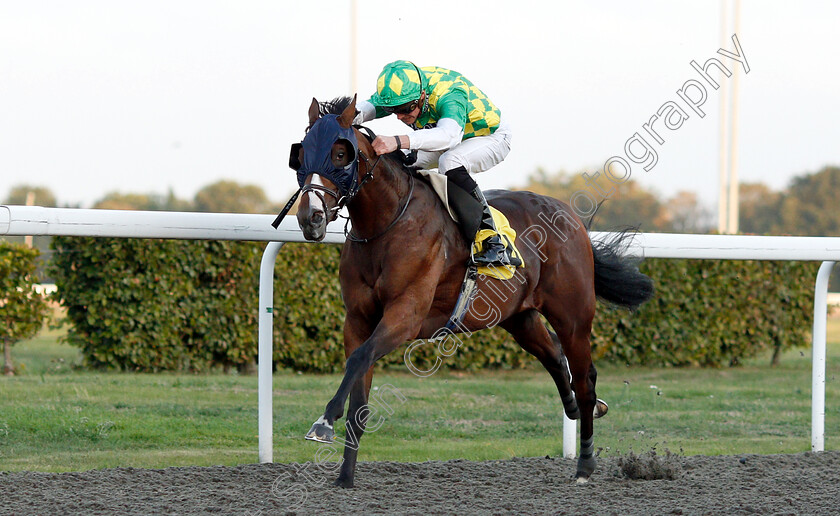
(356, 331)
(396, 327)
(398, 324)
(357, 414)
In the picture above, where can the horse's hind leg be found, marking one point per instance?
(530, 333)
(574, 336)
(601, 406)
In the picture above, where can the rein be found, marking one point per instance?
(367, 177)
(349, 235)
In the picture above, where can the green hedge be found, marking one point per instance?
(711, 313)
(152, 305)
(155, 305)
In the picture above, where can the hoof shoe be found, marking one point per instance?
(321, 432)
(582, 480)
(600, 409)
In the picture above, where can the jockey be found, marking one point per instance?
(456, 128)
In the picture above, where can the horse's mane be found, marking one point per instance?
(335, 106)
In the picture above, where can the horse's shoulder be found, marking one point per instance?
(424, 189)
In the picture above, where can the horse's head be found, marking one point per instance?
(327, 163)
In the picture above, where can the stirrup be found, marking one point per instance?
(493, 252)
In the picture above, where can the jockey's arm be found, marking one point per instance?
(445, 135)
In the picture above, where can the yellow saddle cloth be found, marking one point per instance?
(502, 272)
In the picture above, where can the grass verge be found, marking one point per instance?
(54, 417)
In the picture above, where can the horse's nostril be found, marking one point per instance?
(318, 217)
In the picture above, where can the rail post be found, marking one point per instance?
(265, 352)
(818, 354)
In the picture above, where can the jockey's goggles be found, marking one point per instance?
(402, 109)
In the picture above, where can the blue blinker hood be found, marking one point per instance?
(317, 154)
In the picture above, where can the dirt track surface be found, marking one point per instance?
(805, 483)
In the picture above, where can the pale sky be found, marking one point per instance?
(101, 96)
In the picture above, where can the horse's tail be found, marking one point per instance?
(617, 276)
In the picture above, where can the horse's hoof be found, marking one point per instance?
(344, 483)
(321, 432)
(585, 468)
(600, 409)
(581, 480)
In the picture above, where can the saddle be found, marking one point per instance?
(466, 212)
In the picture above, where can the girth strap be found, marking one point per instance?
(465, 298)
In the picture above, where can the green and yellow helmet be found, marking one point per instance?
(399, 83)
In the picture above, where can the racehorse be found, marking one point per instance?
(404, 261)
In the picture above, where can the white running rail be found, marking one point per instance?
(35, 220)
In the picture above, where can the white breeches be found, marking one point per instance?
(476, 154)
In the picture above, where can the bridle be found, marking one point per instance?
(342, 200)
(354, 191)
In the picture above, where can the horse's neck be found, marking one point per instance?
(379, 201)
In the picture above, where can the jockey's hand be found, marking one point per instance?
(385, 144)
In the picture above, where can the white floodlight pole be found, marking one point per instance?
(732, 227)
(723, 158)
(354, 47)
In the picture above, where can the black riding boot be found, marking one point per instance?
(493, 250)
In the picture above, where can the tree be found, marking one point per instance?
(149, 201)
(23, 310)
(43, 195)
(232, 197)
(686, 214)
(628, 203)
(758, 208)
(809, 206)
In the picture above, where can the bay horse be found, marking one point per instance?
(404, 261)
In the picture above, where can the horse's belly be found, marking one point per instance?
(433, 325)
(490, 306)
